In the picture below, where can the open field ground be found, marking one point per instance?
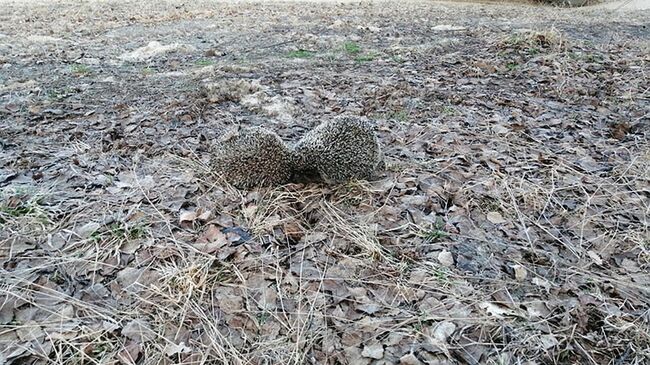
(511, 225)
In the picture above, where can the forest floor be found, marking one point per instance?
(511, 225)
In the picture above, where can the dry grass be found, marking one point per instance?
(520, 155)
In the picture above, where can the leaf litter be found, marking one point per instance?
(511, 225)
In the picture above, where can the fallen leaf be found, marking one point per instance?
(548, 341)
(446, 258)
(537, 310)
(630, 266)
(496, 310)
(409, 359)
(203, 215)
(443, 330)
(595, 257)
(249, 211)
(228, 301)
(620, 130)
(30, 331)
(7, 305)
(187, 218)
(211, 240)
(500, 130)
(138, 330)
(88, 229)
(373, 351)
(520, 272)
(542, 282)
(130, 353)
(369, 308)
(353, 356)
(293, 231)
(237, 235)
(495, 217)
(173, 349)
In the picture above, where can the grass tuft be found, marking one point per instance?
(351, 48)
(366, 57)
(79, 69)
(300, 53)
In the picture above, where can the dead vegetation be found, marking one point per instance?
(511, 225)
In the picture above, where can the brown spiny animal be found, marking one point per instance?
(247, 157)
(339, 150)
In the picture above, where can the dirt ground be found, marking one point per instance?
(511, 225)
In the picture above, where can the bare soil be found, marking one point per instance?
(511, 225)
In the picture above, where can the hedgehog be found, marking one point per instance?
(337, 151)
(252, 156)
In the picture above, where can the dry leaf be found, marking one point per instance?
(228, 301)
(211, 240)
(595, 257)
(500, 129)
(369, 308)
(446, 258)
(130, 353)
(520, 272)
(409, 359)
(542, 282)
(548, 341)
(537, 310)
(373, 351)
(353, 356)
(495, 217)
(187, 218)
(30, 331)
(87, 229)
(294, 231)
(7, 306)
(173, 349)
(249, 211)
(139, 331)
(497, 310)
(630, 266)
(443, 331)
(203, 215)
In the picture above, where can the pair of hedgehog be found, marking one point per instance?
(336, 151)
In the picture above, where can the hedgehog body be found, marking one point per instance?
(254, 156)
(337, 151)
